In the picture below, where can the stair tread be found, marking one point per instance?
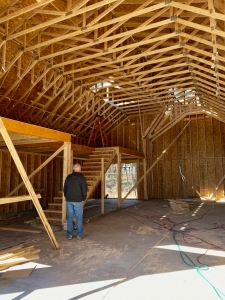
(93, 162)
(53, 211)
(51, 218)
(87, 171)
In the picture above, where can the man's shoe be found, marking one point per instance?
(70, 237)
(81, 237)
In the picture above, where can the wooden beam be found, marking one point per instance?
(102, 186)
(24, 10)
(197, 10)
(74, 12)
(19, 229)
(17, 199)
(67, 168)
(119, 183)
(26, 181)
(81, 148)
(33, 130)
(131, 152)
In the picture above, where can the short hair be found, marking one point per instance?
(76, 167)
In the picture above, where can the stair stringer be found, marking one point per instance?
(98, 178)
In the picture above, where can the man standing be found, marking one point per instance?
(75, 191)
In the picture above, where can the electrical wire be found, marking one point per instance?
(198, 268)
(185, 234)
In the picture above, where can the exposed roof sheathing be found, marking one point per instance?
(65, 62)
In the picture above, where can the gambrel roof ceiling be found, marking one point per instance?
(65, 62)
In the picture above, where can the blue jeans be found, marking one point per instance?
(75, 208)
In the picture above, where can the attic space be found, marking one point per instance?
(133, 93)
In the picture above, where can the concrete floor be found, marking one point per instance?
(125, 256)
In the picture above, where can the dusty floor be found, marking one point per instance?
(127, 255)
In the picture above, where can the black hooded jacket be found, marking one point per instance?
(75, 187)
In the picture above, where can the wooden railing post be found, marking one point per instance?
(102, 186)
(119, 205)
(66, 170)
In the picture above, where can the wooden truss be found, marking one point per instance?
(64, 63)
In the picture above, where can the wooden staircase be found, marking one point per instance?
(92, 171)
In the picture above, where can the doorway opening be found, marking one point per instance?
(128, 178)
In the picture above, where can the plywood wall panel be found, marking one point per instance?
(5, 179)
(132, 136)
(14, 180)
(167, 165)
(199, 151)
(22, 190)
(30, 168)
(218, 161)
(51, 191)
(195, 157)
(44, 182)
(47, 181)
(202, 155)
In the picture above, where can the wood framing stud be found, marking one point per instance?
(27, 182)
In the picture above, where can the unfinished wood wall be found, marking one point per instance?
(47, 182)
(198, 155)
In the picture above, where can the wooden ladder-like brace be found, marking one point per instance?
(98, 127)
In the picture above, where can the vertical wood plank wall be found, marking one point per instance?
(198, 155)
(47, 182)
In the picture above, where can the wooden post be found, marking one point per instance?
(102, 187)
(66, 171)
(27, 183)
(145, 168)
(156, 161)
(119, 205)
(151, 174)
(138, 175)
